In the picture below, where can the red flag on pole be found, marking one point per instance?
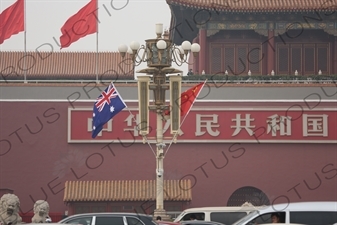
(12, 20)
(83, 23)
(187, 99)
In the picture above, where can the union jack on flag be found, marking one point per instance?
(105, 97)
(107, 105)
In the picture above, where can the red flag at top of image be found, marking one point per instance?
(81, 24)
(12, 20)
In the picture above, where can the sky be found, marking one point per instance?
(120, 22)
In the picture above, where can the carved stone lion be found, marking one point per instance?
(9, 209)
(41, 212)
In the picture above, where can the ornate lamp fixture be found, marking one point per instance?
(159, 54)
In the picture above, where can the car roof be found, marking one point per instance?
(200, 221)
(300, 206)
(222, 208)
(104, 214)
(48, 224)
(109, 213)
(284, 224)
(167, 222)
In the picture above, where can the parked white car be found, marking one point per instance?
(109, 219)
(309, 213)
(226, 215)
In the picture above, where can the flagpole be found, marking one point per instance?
(24, 42)
(97, 45)
(97, 58)
(175, 135)
(144, 136)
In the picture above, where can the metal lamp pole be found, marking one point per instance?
(159, 87)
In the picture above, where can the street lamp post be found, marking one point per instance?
(159, 53)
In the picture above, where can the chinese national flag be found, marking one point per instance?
(83, 23)
(12, 20)
(188, 98)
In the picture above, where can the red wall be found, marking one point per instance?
(35, 166)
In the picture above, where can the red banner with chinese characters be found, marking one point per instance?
(216, 125)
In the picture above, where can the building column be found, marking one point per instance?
(195, 61)
(334, 55)
(202, 53)
(271, 51)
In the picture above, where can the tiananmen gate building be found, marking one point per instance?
(243, 141)
(259, 35)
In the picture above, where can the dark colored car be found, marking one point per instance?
(109, 219)
(199, 222)
(167, 223)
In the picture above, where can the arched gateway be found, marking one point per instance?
(248, 194)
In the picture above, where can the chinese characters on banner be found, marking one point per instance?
(217, 125)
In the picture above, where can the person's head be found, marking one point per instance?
(158, 218)
(275, 218)
(193, 217)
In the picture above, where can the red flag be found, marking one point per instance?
(83, 23)
(12, 20)
(187, 99)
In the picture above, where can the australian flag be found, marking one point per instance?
(107, 105)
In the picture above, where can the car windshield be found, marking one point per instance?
(247, 218)
(179, 217)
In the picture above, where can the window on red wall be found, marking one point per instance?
(98, 208)
(237, 59)
(138, 207)
(306, 58)
(89, 208)
(82, 209)
(116, 209)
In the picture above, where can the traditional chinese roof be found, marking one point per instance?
(126, 190)
(258, 5)
(48, 65)
(187, 14)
